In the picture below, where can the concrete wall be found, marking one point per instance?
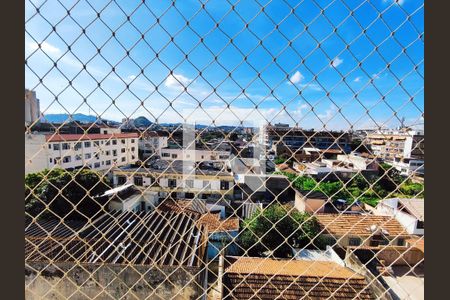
(61, 280)
(309, 205)
(400, 256)
(36, 153)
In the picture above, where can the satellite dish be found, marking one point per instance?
(373, 228)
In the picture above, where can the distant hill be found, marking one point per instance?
(142, 122)
(81, 118)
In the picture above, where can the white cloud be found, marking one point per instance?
(177, 81)
(357, 79)
(336, 62)
(375, 76)
(296, 78)
(45, 47)
(131, 77)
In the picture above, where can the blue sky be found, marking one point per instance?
(142, 71)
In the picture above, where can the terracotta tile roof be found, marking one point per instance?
(263, 278)
(214, 224)
(89, 136)
(210, 220)
(355, 224)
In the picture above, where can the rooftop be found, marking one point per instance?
(414, 206)
(177, 167)
(359, 224)
(140, 239)
(211, 221)
(265, 278)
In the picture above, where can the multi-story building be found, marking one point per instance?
(73, 151)
(397, 144)
(174, 153)
(32, 109)
(298, 138)
(180, 179)
(151, 143)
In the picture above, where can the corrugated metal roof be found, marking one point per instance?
(142, 239)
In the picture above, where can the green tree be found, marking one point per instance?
(68, 194)
(260, 234)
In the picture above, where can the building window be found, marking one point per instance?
(51, 160)
(165, 154)
(97, 156)
(66, 159)
(420, 224)
(87, 156)
(96, 143)
(77, 146)
(190, 183)
(132, 148)
(49, 146)
(107, 143)
(122, 150)
(138, 180)
(87, 144)
(354, 241)
(224, 185)
(78, 157)
(108, 152)
(121, 180)
(400, 241)
(123, 141)
(174, 155)
(132, 141)
(97, 165)
(65, 146)
(172, 183)
(55, 146)
(123, 159)
(114, 142)
(114, 152)
(108, 162)
(133, 157)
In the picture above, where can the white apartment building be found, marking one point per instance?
(408, 166)
(194, 154)
(73, 151)
(32, 109)
(182, 179)
(397, 144)
(151, 143)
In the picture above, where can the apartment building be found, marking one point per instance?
(174, 153)
(73, 151)
(151, 143)
(298, 138)
(32, 109)
(180, 179)
(397, 144)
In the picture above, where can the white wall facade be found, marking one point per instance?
(193, 155)
(100, 153)
(389, 208)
